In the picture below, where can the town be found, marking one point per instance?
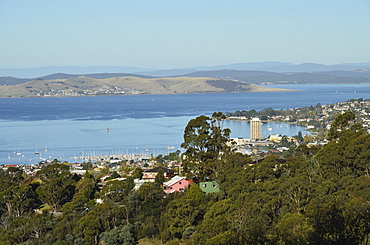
(317, 119)
(98, 91)
(175, 198)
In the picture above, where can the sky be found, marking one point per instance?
(167, 34)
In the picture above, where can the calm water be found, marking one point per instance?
(67, 127)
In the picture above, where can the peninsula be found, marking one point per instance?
(127, 85)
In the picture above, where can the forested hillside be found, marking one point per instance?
(319, 195)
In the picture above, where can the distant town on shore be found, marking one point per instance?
(234, 78)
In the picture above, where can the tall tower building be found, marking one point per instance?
(256, 129)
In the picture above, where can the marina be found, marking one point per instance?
(113, 158)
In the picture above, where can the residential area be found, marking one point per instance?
(210, 193)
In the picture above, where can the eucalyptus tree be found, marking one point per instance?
(57, 185)
(343, 123)
(207, 145)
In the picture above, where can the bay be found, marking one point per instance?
(68, 127)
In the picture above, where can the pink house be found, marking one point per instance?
(177, 183)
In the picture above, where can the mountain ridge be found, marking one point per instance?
(271, 66)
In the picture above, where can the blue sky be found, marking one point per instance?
(173, 34)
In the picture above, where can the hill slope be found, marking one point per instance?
(87, 86)
(261, 77)
(15, 81)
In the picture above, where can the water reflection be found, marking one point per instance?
(242, 129)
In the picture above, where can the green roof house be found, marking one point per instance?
(209, 187)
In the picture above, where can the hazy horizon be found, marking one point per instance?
(187, 67)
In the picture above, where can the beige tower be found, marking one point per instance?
(256, 129)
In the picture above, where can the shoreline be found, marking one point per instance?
(258, 89)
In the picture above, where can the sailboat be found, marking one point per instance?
(17, 152)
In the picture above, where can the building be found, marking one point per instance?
(177, 183)
(209, 187)
(149, 174)
(256, 129)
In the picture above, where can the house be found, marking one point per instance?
(209, 187)
(138, 183)
(149, 174)
(177, 183)
(77, 171)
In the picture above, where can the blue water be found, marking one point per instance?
(68, 127)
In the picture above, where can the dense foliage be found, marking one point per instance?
(316, 196)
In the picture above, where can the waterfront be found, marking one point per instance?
(71, 127)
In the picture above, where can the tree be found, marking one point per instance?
(206, 145)
(138, 173)
(151, 192)
(14, 175)
(294, 229)
(87, 186)
(119, 235)
(90, 226)
(328, 221)
(343, 122)
(52, 171)
(215, 221)
(57, 185)
(173, 156)
(116, 190)
(56, 192)
(299, 136)
(39, 225)
(159, 178)
(285, 142)
(182, 213)
(114, 175)
(19, 200)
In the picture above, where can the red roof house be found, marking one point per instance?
(177, 183)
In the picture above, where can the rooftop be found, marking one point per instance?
(174, 180)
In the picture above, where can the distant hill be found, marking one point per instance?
(94, 75)
(168, 72)
(87, 86)
(260, 77)
(43, 71)
(247, 76)
(282, 67)
(353, 73)
(15, 81)
(278, 67)
(231, 74)
(269, 66)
